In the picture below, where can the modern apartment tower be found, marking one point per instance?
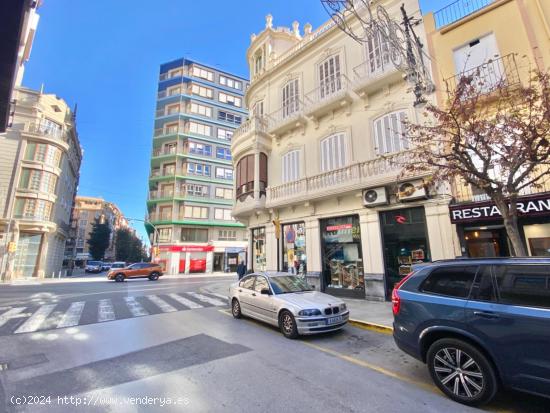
(191, 182)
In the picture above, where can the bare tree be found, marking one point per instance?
(492, 135)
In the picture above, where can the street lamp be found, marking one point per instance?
(155, 229)
(404, 48)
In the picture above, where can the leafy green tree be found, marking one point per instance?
(99, 239)
(129, 247)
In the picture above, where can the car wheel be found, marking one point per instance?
(462, 372)
(287, 323)
(119, 278)
(236, 308)
(154, 276)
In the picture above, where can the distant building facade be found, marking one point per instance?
(40, 158)
(86, 211)
(191, 181)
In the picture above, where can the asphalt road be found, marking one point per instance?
(172, 345)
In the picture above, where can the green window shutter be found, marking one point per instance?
(29, 151)
(24, 179)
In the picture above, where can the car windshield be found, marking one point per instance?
(288, 284)
(117, 265)
(94, 263)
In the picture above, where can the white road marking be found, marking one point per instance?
(72, 315)
(105, 311)
(184, 301)
(36, 320)
(206, 299)
(160, 303)
(223, 297)
(13, 313)
(135, 308)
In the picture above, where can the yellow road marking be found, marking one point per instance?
(371, 326)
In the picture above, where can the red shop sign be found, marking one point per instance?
(187, 248)
(339, 227)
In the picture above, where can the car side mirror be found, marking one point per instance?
(265, 291)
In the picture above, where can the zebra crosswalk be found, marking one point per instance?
(49, 316)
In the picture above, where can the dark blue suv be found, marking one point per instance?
(478, 324)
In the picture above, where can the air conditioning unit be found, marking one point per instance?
(410, 191)
(375, 196)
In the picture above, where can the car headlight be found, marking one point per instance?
(343, 307)
(310, 312)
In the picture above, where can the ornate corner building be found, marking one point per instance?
(317, 165)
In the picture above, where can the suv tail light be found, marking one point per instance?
(395, 299)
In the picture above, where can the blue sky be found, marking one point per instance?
(104, 55)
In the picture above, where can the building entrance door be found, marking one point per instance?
(26, 256)
(486, 242)
(218, 261)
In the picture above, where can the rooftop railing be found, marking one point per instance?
(458, 10)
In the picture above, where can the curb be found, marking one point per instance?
(380, 328)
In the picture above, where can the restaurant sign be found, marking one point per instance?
(537, 205)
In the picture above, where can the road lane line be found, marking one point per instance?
(72, 315)
(205, 299)
(13, 313)
(135, 308)
(184, 301)
(36, 320)
(223, 297)
(105, 311)
(160, 303)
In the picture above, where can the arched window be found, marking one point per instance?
(389, 133)
(291, 166)
(333, 152)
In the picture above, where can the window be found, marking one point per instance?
(378, 55)
(194, 234)
(524, 285)
(291, 166)
(333, 152)
(196, 190)
(227, 235)
(49, 127)
(175, 72)
(224, 193)
(174, 91)
(172, 109)
(245, 176)
(258, 63)
(225, 134)
(229, 99)
(452, 281)
(291, 98)
(201, 110)
(165, 234)
(329, 76)
(223, 153)
(205, 92)
(195, 212)
(247, 282)
(222, 214)
(37, 180)
(226, 81)
(261, 284)
(203, 73)
(198, 169)
(32, 209)
(171, 128)
(200, 149)
(42, 152)
(482, 289)
(224, 173)
(200, 129)
(258, 108)
(229, 117)
(389, 133)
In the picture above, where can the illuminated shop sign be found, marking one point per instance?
(527, 206)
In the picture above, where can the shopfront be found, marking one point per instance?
(258, 249)
(481, 231)
(404, 243)
(342, 259)
(26, 255)
(184, 259)
(294, 248)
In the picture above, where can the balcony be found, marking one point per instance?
(458, 10)
(286, 118)
(488, 77)
(162, 217)
(331, 95)
(42, 130)
(463, 192)
(370, 79)
(172, 150)
(379, 171)
(157, 173)
(252, 126)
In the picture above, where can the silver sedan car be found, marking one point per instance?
(286, 301)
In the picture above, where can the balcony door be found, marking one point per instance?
(329, 76)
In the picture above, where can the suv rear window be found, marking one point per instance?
(526, 285)
(452, 281)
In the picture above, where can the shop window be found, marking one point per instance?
(453, 281)
(341, 253)
(524, 285)
(294, 248)
(258, 249)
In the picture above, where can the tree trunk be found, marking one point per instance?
(510, 218)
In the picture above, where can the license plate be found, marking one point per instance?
(334, 320)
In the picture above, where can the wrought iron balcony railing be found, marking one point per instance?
(458, 10)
